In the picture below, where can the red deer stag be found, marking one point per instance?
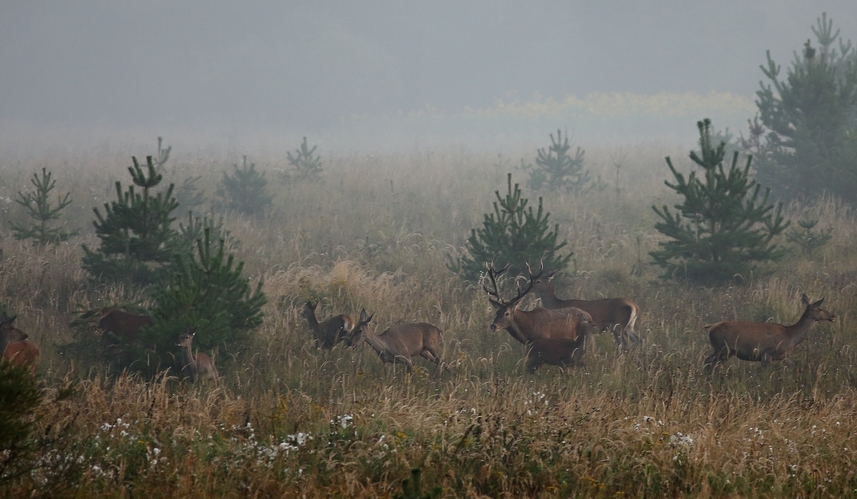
(762, 341)
(529, 326)
(329, 332)
(14, 345)
(616, 314)
(199, 366)
(561, 352)
(399, 343)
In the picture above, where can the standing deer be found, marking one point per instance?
(199, 366)
(563, 352)
(529, 326)
(616, 314)
(329, 332)
(14, 345)
(399, 343)
(762, 341)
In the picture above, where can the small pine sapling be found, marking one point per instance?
(306, 163)
(556, 169)
(806, 238)
(136, 231)
(207, 290)
(40, 209)
(722, 228)
(245, 190)
(514, 234)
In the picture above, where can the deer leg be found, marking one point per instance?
(431, 354)
(714, 359)
(533, 363)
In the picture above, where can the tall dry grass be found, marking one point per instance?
(290, 420)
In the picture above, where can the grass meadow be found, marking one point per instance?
(288, 420)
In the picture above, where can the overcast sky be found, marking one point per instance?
(307, 64)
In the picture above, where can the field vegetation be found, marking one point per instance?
(375, 231)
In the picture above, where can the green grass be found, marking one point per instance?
(290, 420)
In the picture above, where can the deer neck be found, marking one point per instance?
(312, 320)
(523, 324)
(189, 360)
(797, 332)
(375, 341)
(548, 296)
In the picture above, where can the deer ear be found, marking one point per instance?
(804, 299)
(816, 304)
(497, 305)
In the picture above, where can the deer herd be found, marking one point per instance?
(555, 333)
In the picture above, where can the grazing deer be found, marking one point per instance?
(199, 366)
(120, 326)
(616, 314)
(561, 352)
(762, 341)
(399, 343)
(529, 326)
(329, 332)
(14, 345)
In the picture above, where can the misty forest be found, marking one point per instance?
(498, 250)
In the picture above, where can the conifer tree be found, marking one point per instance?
(807, 143)
(722, 228)
(207, 291)
(245, 190)
(514, 234)
(556, 169)
(136, 231)
(39, 208)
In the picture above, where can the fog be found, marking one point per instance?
(328, 68)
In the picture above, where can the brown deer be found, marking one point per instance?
(15, 346)
(329, 332)
(120, 326)
(399, 343)
(762, 341)
(615, 314)
(199, 366)
(528, 326)
(561, 352)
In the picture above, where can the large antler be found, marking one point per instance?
(492, 274)
(532, 280)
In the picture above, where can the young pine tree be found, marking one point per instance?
(721, 228)
(514, 234)
(136, 232)
(556, 169)
(39, 208)
(307, 164)
(245, 190)
(206, 291)
(807, 143)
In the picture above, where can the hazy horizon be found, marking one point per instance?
(218, 69)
